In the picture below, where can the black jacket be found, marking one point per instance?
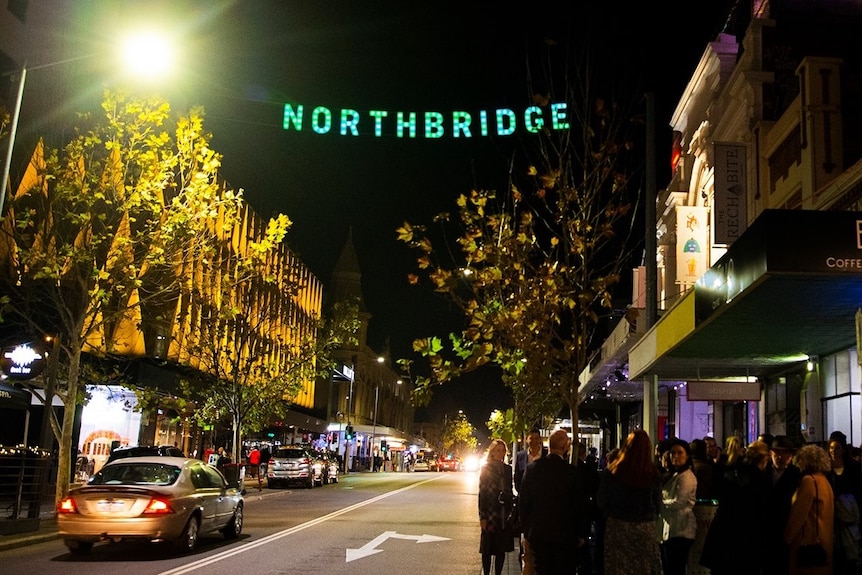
(552, 501)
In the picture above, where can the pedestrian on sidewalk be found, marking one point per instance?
(265, 455)
(629, 496)
(533, 451)
(495, 505)
(254, 465)
(553, 509)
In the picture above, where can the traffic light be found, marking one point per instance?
(383, 446)
(349, 433)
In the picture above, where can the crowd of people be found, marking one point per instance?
(773, 506)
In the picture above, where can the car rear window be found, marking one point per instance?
(132, 452)
(290, 453)
(136, 474)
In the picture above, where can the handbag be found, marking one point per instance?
(813, 554)
(513, 518)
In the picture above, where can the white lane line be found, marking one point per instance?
(281, 534)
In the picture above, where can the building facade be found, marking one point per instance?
(758, 286)
(366, 393)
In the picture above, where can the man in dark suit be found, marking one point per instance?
(532, 451)
(553, 509)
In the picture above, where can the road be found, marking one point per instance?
(367, 524)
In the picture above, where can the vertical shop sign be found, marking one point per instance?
(692, 243)
(729, 194)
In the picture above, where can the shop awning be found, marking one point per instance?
(787, 289)
(13, 397)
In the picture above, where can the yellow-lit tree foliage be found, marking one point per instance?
(97, 236)
(532, 269)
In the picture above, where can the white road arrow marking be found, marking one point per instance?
(370, 547)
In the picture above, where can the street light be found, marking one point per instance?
(144, 55)
(348, 446)
(374, 426)
(380, 360)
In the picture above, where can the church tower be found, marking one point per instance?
(347, 285)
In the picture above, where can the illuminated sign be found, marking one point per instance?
(692, 234)
(22, 362)
(723, 391)
(429, 125)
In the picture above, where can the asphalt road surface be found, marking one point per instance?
(367, 524)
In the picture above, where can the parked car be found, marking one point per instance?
(294, 464)
(449, 463)
(153, 499)
(425, 461)
(145, 450)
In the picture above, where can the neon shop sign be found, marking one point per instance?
(428, 125)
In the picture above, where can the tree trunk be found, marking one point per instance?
(235, 435)
(70, 403)
(573, 414)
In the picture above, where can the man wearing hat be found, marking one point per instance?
(785, 479)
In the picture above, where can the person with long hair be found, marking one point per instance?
(678, 494)
(812, 511)
(629, 497)
(495, 504)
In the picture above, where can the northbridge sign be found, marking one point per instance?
(428, 125)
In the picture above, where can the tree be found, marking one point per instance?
(274, 360)
(96, 236)
(532, 269)
(501, 425)
(458, 435)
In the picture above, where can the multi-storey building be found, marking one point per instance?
(366, 393)
(375, 403)
(758, 282)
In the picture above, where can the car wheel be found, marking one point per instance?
(310, 483)
(189, 538)
(234, 527)
(79, 547)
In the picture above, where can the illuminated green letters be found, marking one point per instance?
(435, 125)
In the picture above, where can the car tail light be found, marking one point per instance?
(158, 507)
(67, 506)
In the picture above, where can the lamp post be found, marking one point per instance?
(143, 54)
(348, 448)
(380, 360)
(13, 130)
(374, 425)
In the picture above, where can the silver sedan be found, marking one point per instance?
(155, 499)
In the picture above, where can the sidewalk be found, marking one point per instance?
(48, 523)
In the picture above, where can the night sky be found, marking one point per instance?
(249, 58)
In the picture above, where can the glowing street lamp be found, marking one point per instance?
(145, 55)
